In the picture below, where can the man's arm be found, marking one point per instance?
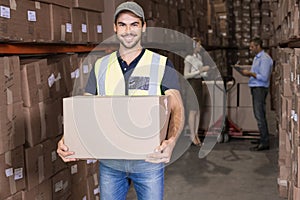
(248, 73)
(163, 153)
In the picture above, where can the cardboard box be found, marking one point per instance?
(246, 119)
(126, 128)
(285, 79)
(80, 26)
(56, 78)
(95, 5)
(34, 78)
(38, 164)
(35, 124)
(83, 169)
(65, 3)
(61, 185)
(93, 187)
(95, 27)
(10, 21)
(42, 191)
(25, 21)
(79, 190)
(85, 63)
(245, 97)
(108, 17)
(12, 177)
(12, 132)
(54, 118)
(10, 80)
(69, 65)
(17, 196)
(61, 25)
(37, 16)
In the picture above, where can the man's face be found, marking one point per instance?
(129, 30)
(254, 48)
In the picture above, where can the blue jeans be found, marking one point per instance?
(259, 95)
(116, 175)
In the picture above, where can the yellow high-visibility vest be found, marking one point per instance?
(145, 79)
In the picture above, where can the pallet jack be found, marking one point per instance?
(224, 128)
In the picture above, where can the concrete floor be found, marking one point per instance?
(229, 172)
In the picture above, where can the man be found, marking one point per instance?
(135, 71)
(259, 83)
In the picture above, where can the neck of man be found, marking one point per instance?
(128, 55)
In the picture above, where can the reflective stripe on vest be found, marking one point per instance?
(145, 79)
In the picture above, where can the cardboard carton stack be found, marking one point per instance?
(252, 18)
(31, 125)
(224, 17)
(285, 20)
(51, 21)
(12, 178)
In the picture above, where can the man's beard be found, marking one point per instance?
(122, 40)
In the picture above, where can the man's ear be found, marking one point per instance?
(115, 28)
(144, 28)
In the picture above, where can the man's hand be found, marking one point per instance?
(162, 153)
(63, 151)
(246, 72)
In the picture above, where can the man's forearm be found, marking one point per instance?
(177, 114)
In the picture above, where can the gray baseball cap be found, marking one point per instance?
(132, 7)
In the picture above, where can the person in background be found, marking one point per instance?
(259, 82)
(194, 69)
(152, 74)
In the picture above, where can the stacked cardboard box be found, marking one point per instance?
(51, 21)
(12, 133)
(85, 179)
(31, 125)
(287, 109)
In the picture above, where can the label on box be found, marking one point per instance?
(31, 16)
(66, 184)
(68, 28)
(5, 12)
(74, 169)
(83, 28)
(96, 191)
(99, 28)
(51, 80)
(37, 5)
(18, 174)
(54, 156)
(85, 69)
(91, 162)
(75, 74)
(9, 172)
(58, 186)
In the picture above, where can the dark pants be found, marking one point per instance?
(259, 95)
